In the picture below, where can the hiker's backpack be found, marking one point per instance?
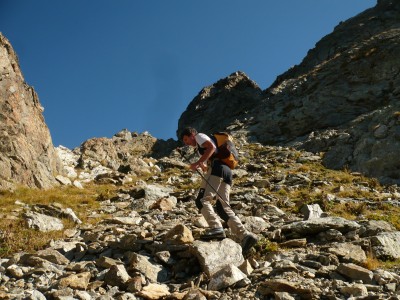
(227, 152)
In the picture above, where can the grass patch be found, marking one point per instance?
(395, 264)
(371, 263)
(388, 213)
(15, 236)
(264, 246)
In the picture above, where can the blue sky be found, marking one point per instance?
(101, 66)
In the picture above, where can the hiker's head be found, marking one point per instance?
(187, 136)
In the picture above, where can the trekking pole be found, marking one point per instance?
(202, 176)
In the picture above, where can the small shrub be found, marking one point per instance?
(371, 263)
(265, 246)
(356, 208)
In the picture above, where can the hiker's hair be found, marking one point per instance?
(188, 131)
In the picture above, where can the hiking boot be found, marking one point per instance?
(249, 240)
(213, 234)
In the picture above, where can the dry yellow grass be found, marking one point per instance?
(371, 263)
(14, 236)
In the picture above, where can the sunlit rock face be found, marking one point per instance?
(27, 155)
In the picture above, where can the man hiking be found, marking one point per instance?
(217, 180)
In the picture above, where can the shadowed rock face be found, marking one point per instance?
(27, 155)
(342, 99)
(221, 104)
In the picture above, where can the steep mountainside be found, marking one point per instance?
(27, 155)
(341, 100)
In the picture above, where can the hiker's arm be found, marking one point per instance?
(209, 151)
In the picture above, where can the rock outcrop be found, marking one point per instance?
(125, 152)
(226, 102)
(27, 155)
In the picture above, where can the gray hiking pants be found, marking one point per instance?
(219, 176)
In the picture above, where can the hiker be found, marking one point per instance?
(218, 177)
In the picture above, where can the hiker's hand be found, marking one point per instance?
(203, 167)
(198, 165)
(194, 166)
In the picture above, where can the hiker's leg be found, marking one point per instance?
(207, 209)
(227, 214)
(223, 209)
(246, 239)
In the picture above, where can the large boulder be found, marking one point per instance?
(27, 155)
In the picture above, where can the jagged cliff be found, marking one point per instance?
(342, 99)
(27, 155)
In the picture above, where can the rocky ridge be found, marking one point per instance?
(147, 245)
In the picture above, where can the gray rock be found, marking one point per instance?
(386, 245)
(384, 277)
(355, 290)
(117, 276)
(348, 252)
(225, 277)
(213, 256)
(313, 211)
(355, 272)
(314, 226)
(53, 256)
(330, 235)
(35, 295)
(57, 210)
(153, 271)
(42, 222)
(63, 180)
(373, 227)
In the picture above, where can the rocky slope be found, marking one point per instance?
(27, 155)
(341, 100)
(147, 247)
